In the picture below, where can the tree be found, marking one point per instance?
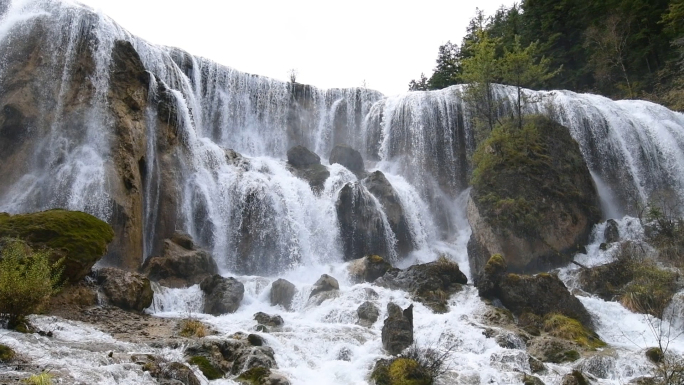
(27, 280)
(480, 71)
(609, 47)
(293, 75)
(421, 85)
(520, 68)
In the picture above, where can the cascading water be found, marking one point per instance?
(212, 165)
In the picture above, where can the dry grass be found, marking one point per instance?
(191, 327)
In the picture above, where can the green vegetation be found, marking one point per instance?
(79, 238)
(40, 379)
(651, 289)
(210, 371)
(570, 329)
(655, 355)
(617, 48)
(416, 366)
(27, 280)
(6, 353)
(495, 265)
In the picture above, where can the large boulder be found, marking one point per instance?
(349, 158)
(429, 283)
(368, 313)
(380, 187)
(124, 289)
(533, 199)
(397, 330)
(612, 232)
(222, 295)
(325, 283)
(362, 228)
(307, 165)
(368, 269)
(181, 263)
(268, 320)
(282, 293)
(79, 238)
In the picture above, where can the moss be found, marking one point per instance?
(655, 355)
(406, 371)
(210, 371)
(79, 237)
(495, 265)
(571, 329)
(579, 377)
(651, 289)
(254, 375)
(376, 259)
(6, 353)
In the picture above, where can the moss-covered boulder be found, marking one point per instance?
(80, 238)
(210, 371)
(400, 371)
(570, 329)
(533, 199)
(6, 353)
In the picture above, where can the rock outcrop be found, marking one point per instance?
(429, 283)
(307, 165)
(282, 293)
(129, 291)
(349, 158)
(181, 263)
(536, 210)
(223, 295)
(368, 269)
(380, 187)
(79, 238)
(362, 228)
(397, 330)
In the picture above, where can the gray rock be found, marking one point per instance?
(269, 320)
(348, 157)
(611, 234)
(307, 165)
(324, 283)
(300, 156)
(129, 291)
(282, 293)
(368, 313)
(223, 295)
(181, 264)
(368, 268)
(397, 331)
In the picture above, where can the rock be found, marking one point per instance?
(362, 228)
(611, 234)
(268, 320)
(181, 265)
(531, 380)
(380, 187)
(345, 354)
(79, 238)
(599, 365)
(255, 340)
(233, 355)
(606, 281)
(6, 353)
(210, 371)
(397, 331)
(261, 376)
(129, 291)
(324, 283)
(554, 350)
(368, 268)
(168, 373)
(508, 340)
(300, 156)
(253, 357)
(282, 293)
(539, 294)
(430, 283)
(349, 158)
(536, 365)
(223, 295)
(401, 371)
(574, 378)
(368, 313)
(307, 165)
(535, 213)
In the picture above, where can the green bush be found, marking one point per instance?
(27, 280)
(6, 353)
(40, 379)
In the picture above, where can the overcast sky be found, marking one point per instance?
(331, 44)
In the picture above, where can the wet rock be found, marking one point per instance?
(368, 268)
(536, 366)
(362, 228)
(611, 234)
(508, 340)
(233, 355)
(261, 376)
(397, 331)
(253, 357)
(531, 380)
(599, 365)
(606, 281)
(255, 340)
(169, 373)
(223, 295)
(509, 360)
(348, 157)
(210, 371)
(554, 350)
(282, 293)
(380, 187)
(269, 320)
(307, 165)
(324, 283)
(181, 264)
(368, 313)
(6, 353)
(574, 378)
(126, 290)
(429, 283)
(345, 354)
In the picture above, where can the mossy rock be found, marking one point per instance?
(651, 289)
(496, 265)
(80, 238)
(655, 355)
(532, 380)
(571, 329)
(210, 371)
(400, 371)
(575, 378)
(254, 376)
(6, 353)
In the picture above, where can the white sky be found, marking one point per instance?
(331, 44)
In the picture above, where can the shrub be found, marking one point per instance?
(27, 280)
(6, 353)
(40, 379)
(191, 327)
(416, 366)
(651, 289)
